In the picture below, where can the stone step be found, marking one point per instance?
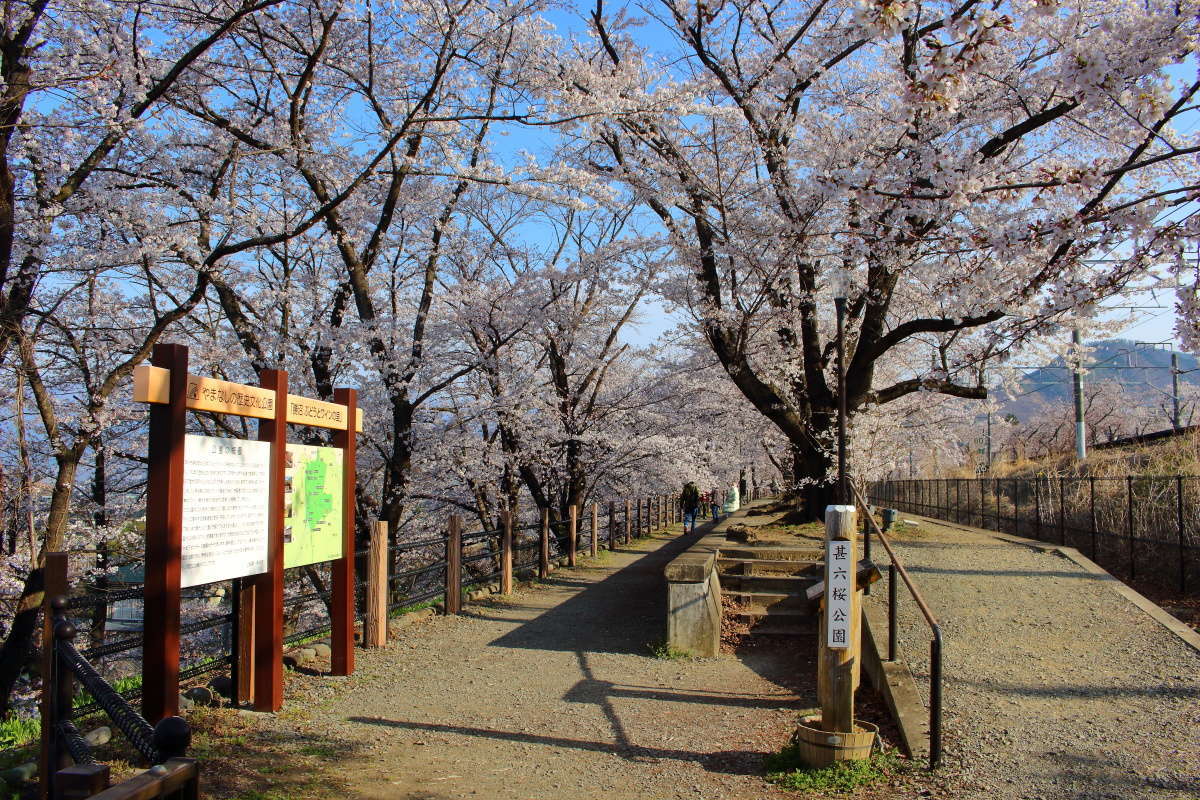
(761, 552)
(764, 566)
(765, 602)
(776, 613)
(774, 629)
(786, 584)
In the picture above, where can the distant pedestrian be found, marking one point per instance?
(714, 502)
(689, 501)
(732, 500)
(704, 505)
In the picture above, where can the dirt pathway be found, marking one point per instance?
(552, 692)
(1056, 685)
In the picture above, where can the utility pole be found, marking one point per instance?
(1077, 380)
(988, 463)
(1176, 422)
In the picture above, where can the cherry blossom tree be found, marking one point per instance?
(955, 170)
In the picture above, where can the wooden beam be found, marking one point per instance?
(151, 384)
(164, 539)
(268, 586)
(342, 570)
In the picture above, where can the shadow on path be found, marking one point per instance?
(625, 612)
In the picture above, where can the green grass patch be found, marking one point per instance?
(665, 652)
(787, 770)
(16, 731)
(402, 610)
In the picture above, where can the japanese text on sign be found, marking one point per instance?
(225, 505)
(839, 574)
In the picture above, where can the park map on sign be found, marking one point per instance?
(312, 527)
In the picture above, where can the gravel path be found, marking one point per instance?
(554, 692)
(1055, 685)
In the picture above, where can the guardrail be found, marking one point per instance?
(1143, 527)
(896, 568)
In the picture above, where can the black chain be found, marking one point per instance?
(77, 746)
(139, 732)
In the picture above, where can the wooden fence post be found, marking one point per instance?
(573, 535)
(612, 525)
(595, 529)
(341, 636)
(544, 546)
(54, 584)
(453, 591)
(506, 553)
(375, 630)
(837, 664)
(627, 521)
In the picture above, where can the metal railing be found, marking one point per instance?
(1145, 528)
(896, 568)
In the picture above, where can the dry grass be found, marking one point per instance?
(1178, 456)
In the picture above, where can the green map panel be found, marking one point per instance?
(312, 499)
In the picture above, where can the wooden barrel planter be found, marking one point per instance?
(820, 748)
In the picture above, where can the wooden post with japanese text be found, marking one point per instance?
(840, 629)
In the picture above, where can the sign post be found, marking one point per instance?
(221, 508)
(342, 641)
(164, 540)
(268, 586)
(840, 645)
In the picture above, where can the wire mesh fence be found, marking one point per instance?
(1144, 529)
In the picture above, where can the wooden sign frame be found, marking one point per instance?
(171, 392)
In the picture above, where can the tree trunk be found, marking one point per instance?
(17, 646)
(810, 470)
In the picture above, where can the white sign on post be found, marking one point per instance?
(226, 495)
(839, 578)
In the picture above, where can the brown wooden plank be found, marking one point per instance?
(268, 587)
(164, 539)
(375, 627)
(245, 644)
(342, 570)
(506, 553)
(151, 384)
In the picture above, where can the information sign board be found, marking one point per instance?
(312, 503)
(226, 494)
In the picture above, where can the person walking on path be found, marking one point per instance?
(689, 500)
(714, 502)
